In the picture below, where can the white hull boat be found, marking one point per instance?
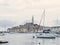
(45, 36)
(3, 39)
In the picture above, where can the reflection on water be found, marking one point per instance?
(27, 39)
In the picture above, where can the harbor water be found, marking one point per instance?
(27, 39)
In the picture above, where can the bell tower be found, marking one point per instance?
(32, 19)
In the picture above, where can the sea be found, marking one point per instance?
(27, 39)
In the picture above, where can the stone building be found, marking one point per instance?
(28, 27)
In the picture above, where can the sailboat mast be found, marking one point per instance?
(42, 18)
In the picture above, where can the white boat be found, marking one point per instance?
(3, 39)
(45, 36)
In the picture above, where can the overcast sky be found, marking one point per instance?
(16, 12)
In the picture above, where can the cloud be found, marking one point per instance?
(19, 10)
(4, 4)
(6, 23)
(56, 22)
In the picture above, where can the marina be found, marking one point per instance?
(31, 34)
(27, 39)
(29, 22)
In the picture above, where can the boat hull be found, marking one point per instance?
(3, 41)
(47, 37)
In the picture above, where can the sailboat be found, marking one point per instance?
(45, 35)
